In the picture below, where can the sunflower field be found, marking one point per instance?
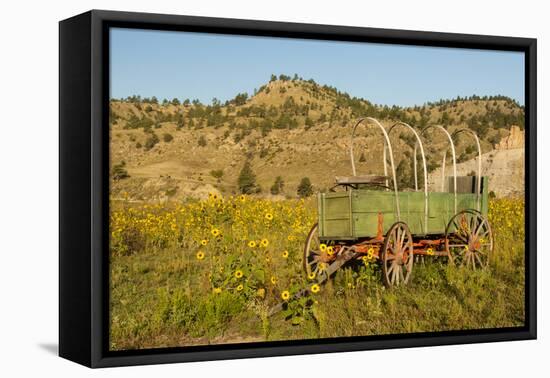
(209, 271)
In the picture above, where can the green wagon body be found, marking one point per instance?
(356, 213)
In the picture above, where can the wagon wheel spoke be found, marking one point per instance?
(314, 260)
(483, 252)
(312, 254)
(464, 224)
(473, 224)
(401, 241)
(390, 257)
(481, 264)
(458, 231)
(479, 228)
(396, 255)
(410, 257)
(401, 275)
(473, 260)
(394, 277)
(471, 244)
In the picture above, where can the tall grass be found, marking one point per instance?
(207, 272)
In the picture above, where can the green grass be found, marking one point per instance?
(162, 296)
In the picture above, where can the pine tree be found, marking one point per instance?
(278, 185)
(247, 180)
(305, 189)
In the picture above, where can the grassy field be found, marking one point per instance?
(207, 272)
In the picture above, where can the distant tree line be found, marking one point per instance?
(242, 117)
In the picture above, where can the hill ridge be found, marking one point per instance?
(293, 128)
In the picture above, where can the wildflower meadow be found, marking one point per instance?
(209, 271)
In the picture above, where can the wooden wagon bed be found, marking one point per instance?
(357, 213)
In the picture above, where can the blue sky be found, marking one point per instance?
(196, 65)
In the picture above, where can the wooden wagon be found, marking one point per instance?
(367, 217)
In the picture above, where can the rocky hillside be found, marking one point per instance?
(290, 128)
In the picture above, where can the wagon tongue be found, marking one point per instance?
(341, 259)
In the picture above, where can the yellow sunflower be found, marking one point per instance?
(204, 242)
(370, 253)
(330, 251)
(323, 247)
(200, 255)
(252, 244)
(273, 280)
(215, 232)
(285, 295)
(240, 287)
(264, 243)
(217, 290)
(315, 288)
(238, 273)
(269, 216)
(311, 276)
(285, 254)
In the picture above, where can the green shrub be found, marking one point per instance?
(217, 173)
(305, 189)
(202, 141)
(151, 141)
(119, 171)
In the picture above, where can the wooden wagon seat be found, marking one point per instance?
(365, 179)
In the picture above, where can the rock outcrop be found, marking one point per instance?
(516, 139)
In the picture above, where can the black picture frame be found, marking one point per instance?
(84, 172)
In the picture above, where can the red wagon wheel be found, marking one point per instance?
(469, 239)
(316, 255)
(397, 255)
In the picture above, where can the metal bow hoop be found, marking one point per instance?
(478, 144)
(452, 145)
(370, 120)
(419, 143)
